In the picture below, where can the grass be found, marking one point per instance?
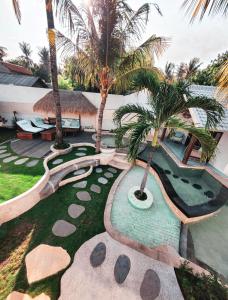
(16, 179)
(6, 134)
(199, 287)
(71, 155)
(34, 227)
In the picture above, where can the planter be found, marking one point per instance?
(61, 151)
(140, 204)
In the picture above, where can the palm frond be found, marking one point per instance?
(17, 10)
(207, 142)
(223, 81)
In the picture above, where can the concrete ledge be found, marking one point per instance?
(76, 178)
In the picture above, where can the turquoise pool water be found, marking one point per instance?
(152, 227)
(109, 141)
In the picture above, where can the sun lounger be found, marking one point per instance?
(38, 122)
(177, 136)
(71, 125)
(26, 126)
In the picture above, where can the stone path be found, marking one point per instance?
(83, 196)
(112, 170)
(63, 228)
(5, 155)
(57, 161)
(21, 161)
(81, 184)
(98, 170)
(102, 180)
(106, 269)
(3, 147)
(79, 172)
(80, 154)
(75, 210)
(3, 151)
(44, 261)
(108, 175)
(82, 149)
(9, 159)
(95, 188)
(32, 163)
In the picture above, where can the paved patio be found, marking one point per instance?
(39, 149)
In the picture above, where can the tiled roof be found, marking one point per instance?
(199, 116)
(16, 69)
(22, 80)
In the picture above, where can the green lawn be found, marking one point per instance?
(21, 235)
(6, 134)
(16, 179)
(71, 155)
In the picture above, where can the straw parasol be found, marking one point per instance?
(72, 102)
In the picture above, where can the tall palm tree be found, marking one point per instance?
(169, 71)
(104, 36)
(26, 54)
(166, 102)
(192, 67)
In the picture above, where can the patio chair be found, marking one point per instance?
(177, 136)
(38, 122)
(71, 125)
(26, 126)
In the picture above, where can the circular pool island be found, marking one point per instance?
(140, 204)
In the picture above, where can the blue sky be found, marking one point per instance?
(204, 40)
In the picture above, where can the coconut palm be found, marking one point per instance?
(26, 54)
(166, 102)
(169, 71)
(192, 67)
(105, 37)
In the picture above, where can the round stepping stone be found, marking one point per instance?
(112, 170)
(57, 161)
(108, 175)
(98, 255)
(95, 188)
(3, 147)
(9, 159)
(102, 180)
(82, 149)
(175, 176)
(167, 172)
(80, 154)
(2, 151)
(122, 268)
(5, 155)
(21, 161)
(184, 180)
(75, 210)
(209, 194)
(98, 170)
(79, 172)
(151, 286)
(83, 196)
(63, 228)
(197, 186)
(32, 163)
(81, 184)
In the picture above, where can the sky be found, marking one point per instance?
(201, 39)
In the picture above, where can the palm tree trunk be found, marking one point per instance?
(150, 156)
(54, 72)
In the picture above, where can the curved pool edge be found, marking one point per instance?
(164, 253)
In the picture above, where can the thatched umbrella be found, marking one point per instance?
(72, 102)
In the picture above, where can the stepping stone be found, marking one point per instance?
(80, 154)
(81, 184)
(5, 155)
(80, 171)
(95, 188)
(57, 161)
(112, 170)
(3, 151)
(122, 268)
(209, 194)
(175, 176)
(108, 175)
(102, 180)
(21, 161)
(20, 296)
(63, 228)
(151, 286)
(3, 147)
(98, 170)
(44, 261)
(98, 255)
(197, 186)
(82, 149)
(75, 210)
(83, 196)
(32, 163)
(167, 172)
(9, 159)
(184, 180)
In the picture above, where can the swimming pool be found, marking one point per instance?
(152, 227)
(193, 191)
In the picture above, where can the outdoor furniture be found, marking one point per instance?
(196, 154)
(26, 126)
(38, 122)
(23, 135)
(177, 136)
(71, 125)
(48, 135)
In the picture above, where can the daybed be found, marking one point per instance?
(26, 130)
(38, 122)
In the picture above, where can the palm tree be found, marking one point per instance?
(104, 36)
(166, 102)
(192, 67)
(169, 71)
(2, 52)
(26, 54)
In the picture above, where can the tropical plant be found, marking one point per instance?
(26, 55)
(169, 71)
(44, 64)
(2, 52)
(187, 71)
(103, 39)
(167, 101)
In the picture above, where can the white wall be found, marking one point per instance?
(221, 159)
